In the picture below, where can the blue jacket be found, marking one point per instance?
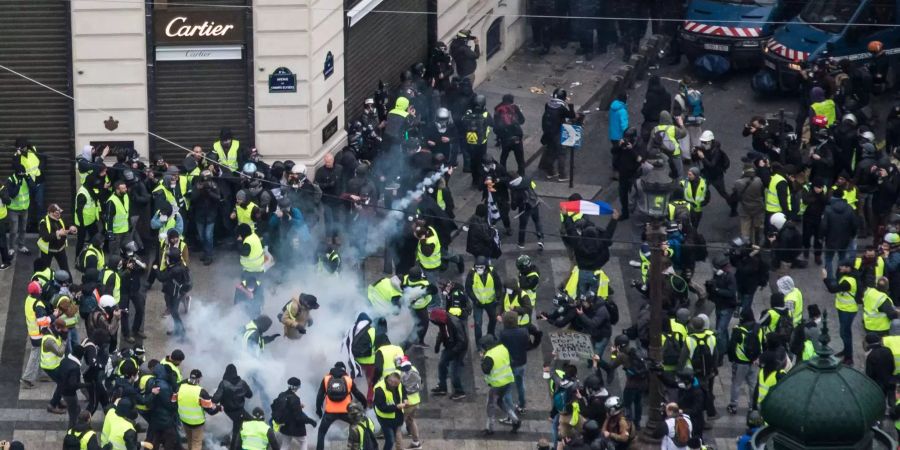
(618, 120)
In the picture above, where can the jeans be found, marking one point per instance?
(498, 398)
(453, 362)
(519, 375)
(477, 310)
(746, 301)
(37, 200)
(73, 408)
(631, 399)
(742, 374)
(392, 436)
(845, 319)
(18, 220)
(829, 260)
(518, 152)
(206, 235)
(534, 214)
(600, 345)
(57, 394)
(723, 318)
(587, 282)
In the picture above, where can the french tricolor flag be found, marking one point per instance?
(595, 208)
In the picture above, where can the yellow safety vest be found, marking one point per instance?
(43, 245)
(501, 371)
(91, 250)
(381, 293)
(90, 212)
(484, 290)
(254, 435)
(3, 210)
(255, 261)
(434, 261)
(879, 266)
(897, 422)
(142, 385)
(424, 300)
(365, 424)
(368, 360)
(164, 250)
(174, 369)
(846, 301)
(31, 163)
(809, 350)
(766, 383)
(189, 410)
(512, 301)
(893, 343)
(695, 198)
(184, 187)
(22, 200)
(693, 341)
(50, 360)
(739, 349)
(825, 108)
(670, 132)
(571, 287)
(114, 429)
(117, 285)
(388, 398)
(873, 319)
(573, 215)
(245, 215)
(229, 159)
(795, 297)
(31, 317)
(84, 440)
(772, 204)
(389, 353)
(122, 208)
(850, 195)
(249, 329)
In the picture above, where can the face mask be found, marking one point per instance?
(706, 145)
(720, 272)
(479, 270)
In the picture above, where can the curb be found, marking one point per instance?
(628, 73)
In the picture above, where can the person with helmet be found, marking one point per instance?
(878, 65)
(476, 128)
(106, 319)
(362, 430)
(288, 418)
(485, 290)
(420, 293)
(508, 121)
(498, 375)
(453, 338)
(556, 112)
(786, 242)
(714, 162)
(465, 58)
(194, 403)
(595, 395)
(616, 429)
(295, 315)
(256, 434)
(37, 316)
(441, 136)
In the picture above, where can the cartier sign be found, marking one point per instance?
(172, 27)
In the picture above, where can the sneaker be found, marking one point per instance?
(562, 178)
(505, 421)
(540, 246)
(439, 391)
(415, 445)
(458, 396)
(420, 345)
(11, 253)
(24, 250)
(550, 177)
(129, 339)
(4, 266)
(520, 409)
(516, 426)
(56, 410)
(521, 246)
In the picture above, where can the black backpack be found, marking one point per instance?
(337, 389)
(362, 345)
(280, 408)
(638, 367)
(72, 441)
(671, 350)
(785, 326)
(613, 311)
(703, 360)
(750, 344)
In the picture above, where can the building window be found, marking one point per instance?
(494, 42)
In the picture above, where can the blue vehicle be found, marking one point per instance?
(835, 29)
(733, 29)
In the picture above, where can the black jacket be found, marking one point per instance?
(69, 374)
(517, 342)
(556, 113)
(465, 58)
(205, 200)
(452, 335)
(336, 372)
(231, 394)
(163, 411)
(839, 224)
(751, 272)
(480, 238)
(296, 420)
(657, 100)
(595, 321)
(592, 249)
(722, 290)
(880, 365)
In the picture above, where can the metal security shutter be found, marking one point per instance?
(194, 100)
(380, 47)
(35, 41)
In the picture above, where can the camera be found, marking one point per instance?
(468, 35)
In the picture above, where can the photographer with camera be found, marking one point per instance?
(750, 270)
(133, 300)
(721, 289)
(564, 313)
(205, 200)
(464, 57)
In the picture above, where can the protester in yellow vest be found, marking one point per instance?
(412, 385)
(119, 431)
(821, 106)
(390, 401)
(245, 211)
(497, 369)
(193, 405)
(82, 434)
(386, 355)
(878, 309)
(227, 149)
(845, 302)
(485, 290)
(252, 251)
(37, 315)
(770, 373)
(52, 234)
(892, 342)
(384, 296)
(118, 217)
(256, 434)
(793, 298)
(18, 186)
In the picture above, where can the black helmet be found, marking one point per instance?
(523, 262)
(62, 277)
(593, 383)
(479, 101)
(621, 340)
(419, 68)
(406, 75)
(481, 260)
(416, 273)
(560, 94)
(592, 427)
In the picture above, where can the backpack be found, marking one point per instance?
(79, 260)
(475, 128)
(682, 432)
(667, 144)
(750, 344)
(694, 100)
(337, 389)
(362, 345)
(638, 367)
(279, 408)
(785, 326)
(671, 350)
(506, 115)
(703, 361)
(613, 311)
(73, 441)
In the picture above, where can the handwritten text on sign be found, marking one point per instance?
(572, 346)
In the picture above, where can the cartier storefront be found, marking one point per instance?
(199, 76)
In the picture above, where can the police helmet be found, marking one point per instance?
(613, 405)
(560, 94)
(479, 101)
(443, 114)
